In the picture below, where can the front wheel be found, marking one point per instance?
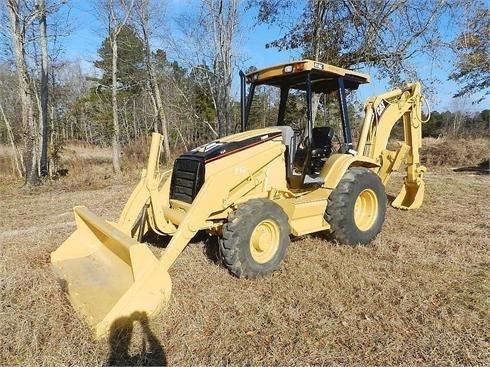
(255, 238)
(356, 208)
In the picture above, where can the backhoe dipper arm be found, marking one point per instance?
(381, 114)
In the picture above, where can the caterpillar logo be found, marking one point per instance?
(380, 108)
(318, 65)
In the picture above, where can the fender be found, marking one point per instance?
(336, 166)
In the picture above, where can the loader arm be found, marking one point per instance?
(222, 190)
(109, 274)
(134, 214)
(381, 114)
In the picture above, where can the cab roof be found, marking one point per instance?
(293, 75)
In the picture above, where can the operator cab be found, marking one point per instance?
(307, 145)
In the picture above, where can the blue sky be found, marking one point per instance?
(87, 35)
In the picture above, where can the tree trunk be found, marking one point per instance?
(115, 26)
(19, 163)
(30, 141)
(126, 121)
(53, 159)
(43, 111)
(154, 85)
(116, 135)
(135, 127)
(219, 19)
(224, 27)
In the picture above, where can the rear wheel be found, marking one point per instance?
(356, 208)
(255, 238)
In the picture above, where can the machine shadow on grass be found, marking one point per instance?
(390, 199)
(482, 168)
(211, 248)
(150, 351)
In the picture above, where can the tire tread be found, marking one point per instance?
(340, 206)
(232, 243)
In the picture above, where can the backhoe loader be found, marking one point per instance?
(253, 190)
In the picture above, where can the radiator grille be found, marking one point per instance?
(187, 179)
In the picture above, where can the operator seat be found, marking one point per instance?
(322, 142)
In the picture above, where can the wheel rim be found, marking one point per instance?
(264, 241)
(365, 209)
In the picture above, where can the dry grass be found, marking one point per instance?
(417, 296)
(81, 167)
(7, 164)
(455, 152)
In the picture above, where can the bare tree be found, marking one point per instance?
(211, 37)
(18, 161)
(20, 19)
(223, 22)
(144, 20)
(386, 34)
(43, 110)
(117, 13)
(24, 41)
(8, 105)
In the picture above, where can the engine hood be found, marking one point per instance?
(231, 144)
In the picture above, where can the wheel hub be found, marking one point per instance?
(264, 241)
(365, 209)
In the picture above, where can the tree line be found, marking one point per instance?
(184, 89)
(458, 124)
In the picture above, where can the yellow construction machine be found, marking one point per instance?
(253, 190)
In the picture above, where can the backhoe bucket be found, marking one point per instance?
(411, 196)
(108, 274)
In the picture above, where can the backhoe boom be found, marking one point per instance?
(381, 114)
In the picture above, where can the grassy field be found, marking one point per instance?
(418, 295)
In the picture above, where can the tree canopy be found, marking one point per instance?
(472, 66)
(386, 34)
(151, 77)
(130, 62)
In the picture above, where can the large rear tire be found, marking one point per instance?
(356, 208)
(255, 239)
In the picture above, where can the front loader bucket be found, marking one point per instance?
(411, 196)
(107, 274)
